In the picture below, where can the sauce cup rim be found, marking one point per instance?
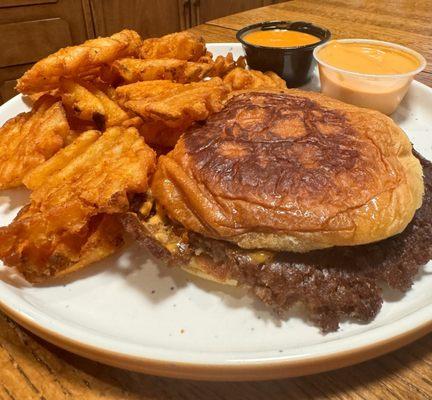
(251, 27)
(420, 68)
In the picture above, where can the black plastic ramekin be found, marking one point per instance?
(294, 64)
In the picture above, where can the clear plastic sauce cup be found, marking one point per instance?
(382, 92)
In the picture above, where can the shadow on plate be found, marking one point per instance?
(152, 279)
(157, 283)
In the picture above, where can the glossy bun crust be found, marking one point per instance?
(291, 171)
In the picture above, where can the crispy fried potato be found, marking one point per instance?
(83, 61)
(65, 253)
(156, 134)
(181, 46)
(114, 114)
(82, 102)
(104, 239)
(206, 58)
(224, 64)
(179, 107)
(142, 90)
(89, 103)
(65, 221)
(169, 108)
(221, 65)
(130, 70)
(40, 174)
(115, 164)
(241, 79)
(30, 139)
(133, 70)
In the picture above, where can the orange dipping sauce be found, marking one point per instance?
(280, 38)
(368, 58)
(367, 73)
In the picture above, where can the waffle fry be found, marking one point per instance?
(30, 139)
(70, 220)
(83, 61)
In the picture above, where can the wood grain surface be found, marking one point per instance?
(33, 369)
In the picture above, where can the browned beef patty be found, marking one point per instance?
(333, 284)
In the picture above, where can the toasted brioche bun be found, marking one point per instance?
(291, 171)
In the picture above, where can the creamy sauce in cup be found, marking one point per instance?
(368, 58)
(280, 38)
(367, 73)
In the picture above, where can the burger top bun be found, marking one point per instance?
(291, 171)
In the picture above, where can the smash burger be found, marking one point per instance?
(299, 197)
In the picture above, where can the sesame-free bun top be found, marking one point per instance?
(291, 171)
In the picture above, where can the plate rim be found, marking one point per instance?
(241, 371)
(250, 371)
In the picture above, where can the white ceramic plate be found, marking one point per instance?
(131, 312)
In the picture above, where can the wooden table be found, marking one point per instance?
(406, 22)
(33, 369)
